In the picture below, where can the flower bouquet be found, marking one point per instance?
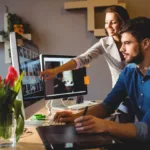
(10, 108)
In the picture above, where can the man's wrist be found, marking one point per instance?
(108, 126)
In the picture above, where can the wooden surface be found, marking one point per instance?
(32, 141)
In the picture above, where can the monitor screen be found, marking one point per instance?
(25, 57)
(66, 84)
(32, 85)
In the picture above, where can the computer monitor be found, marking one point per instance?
(25, 57)
(66, 84)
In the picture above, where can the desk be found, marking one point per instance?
(33, 141)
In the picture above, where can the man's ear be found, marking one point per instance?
(146, 43)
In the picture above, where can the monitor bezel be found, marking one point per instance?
(42, 56)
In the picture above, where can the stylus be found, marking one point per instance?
(85, 110)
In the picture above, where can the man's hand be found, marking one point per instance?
(48, 74)
(90, 124)
(65, 116)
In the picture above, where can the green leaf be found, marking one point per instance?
(18, 84)
(19, 128)
(6, 120)
(7, 101)
(19, 118)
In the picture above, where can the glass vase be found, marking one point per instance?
(7, 130)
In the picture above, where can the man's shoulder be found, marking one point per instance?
(131, 66)
(129, 69)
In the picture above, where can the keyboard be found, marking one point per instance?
(82, 105)
(53, 123)
(34, 122)
(42, 123)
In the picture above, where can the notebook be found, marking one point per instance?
(66, 137)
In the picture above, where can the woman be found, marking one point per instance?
(108, 46)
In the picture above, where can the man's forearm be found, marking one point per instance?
(96, 110)
(127, 130)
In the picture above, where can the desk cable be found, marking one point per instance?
(49, 105)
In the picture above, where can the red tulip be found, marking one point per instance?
(13, 71)
(11, 77)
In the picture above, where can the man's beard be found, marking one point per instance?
(138, 58)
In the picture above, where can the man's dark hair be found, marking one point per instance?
(139, 27)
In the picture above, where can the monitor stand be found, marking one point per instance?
(75, 103)
(59, 104)
(69, 104)
(62, 104)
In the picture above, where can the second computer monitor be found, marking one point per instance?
(66, 84)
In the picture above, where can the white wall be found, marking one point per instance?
(3, 66)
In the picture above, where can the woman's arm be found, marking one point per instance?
(70, 65)
(75, 63)
(51, 73)
(88, 56)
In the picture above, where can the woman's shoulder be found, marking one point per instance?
(107, 39)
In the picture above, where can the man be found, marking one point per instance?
(134, 82)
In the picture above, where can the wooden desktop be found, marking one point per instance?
(30, 139)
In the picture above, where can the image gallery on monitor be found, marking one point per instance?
(66, 84)
(32, 85)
